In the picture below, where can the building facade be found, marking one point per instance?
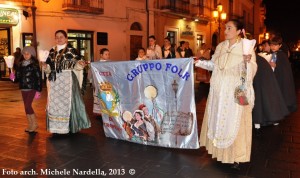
(121, 26)
(193, 21)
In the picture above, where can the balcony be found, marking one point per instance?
(26, 3)
(175, 6)
(201, 13)
(84, 6)
(197, 9)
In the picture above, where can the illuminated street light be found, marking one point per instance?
(175, 89)
(267, 36)
(219, 16)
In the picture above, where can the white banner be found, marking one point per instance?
(149, 102)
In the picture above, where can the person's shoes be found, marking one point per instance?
(236, 166)
(257, 132)
(34, 125)
(29, 123)
(55, 134)
(32, 132)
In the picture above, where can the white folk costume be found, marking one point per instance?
(154, 52)
(65, 109)
(141, 58)
(227, 126)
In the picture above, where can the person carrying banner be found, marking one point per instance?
(153, 50)
(141, 55)
(168, 51)
(65, 109)
(227, 124)
(104, 54)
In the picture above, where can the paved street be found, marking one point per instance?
(276, 153)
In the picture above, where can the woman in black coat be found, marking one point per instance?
(269, 104)
(30, 83)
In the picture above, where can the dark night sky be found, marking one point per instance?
(284, 17)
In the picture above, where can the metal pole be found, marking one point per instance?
(147, 11)
(219, 21)
(34, 38)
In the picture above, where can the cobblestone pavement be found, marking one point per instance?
(276, 153)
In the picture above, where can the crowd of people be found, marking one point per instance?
(167, 51)
(246, 90)
(275, 95)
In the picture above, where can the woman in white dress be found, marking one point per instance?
(227, 124)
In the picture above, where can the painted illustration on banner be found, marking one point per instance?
(108, 99)
(138, 128)
(142, 126)
(145, 127)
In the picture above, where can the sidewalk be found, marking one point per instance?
(275, 154)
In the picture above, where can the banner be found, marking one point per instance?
(149, 102)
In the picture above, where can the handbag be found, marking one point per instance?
(12, 76)
(37, 95)
(240, 92)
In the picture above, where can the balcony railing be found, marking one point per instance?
(26, 3)
(85, 6)
(197, 9)
(176, 6)
(200, 12)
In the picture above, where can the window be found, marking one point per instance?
(136, 26)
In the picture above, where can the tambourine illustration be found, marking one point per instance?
(127, 116)
(150, 92)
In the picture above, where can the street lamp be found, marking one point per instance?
(219, 16)
(267, 36)
(175, 89)
(34, 39)
(33, 10)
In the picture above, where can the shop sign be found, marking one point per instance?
(9, 16)
(187, 31)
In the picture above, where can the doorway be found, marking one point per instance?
(5, 50)
(135, 44)
(82, 41)
(214, 42)
(172, 36)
